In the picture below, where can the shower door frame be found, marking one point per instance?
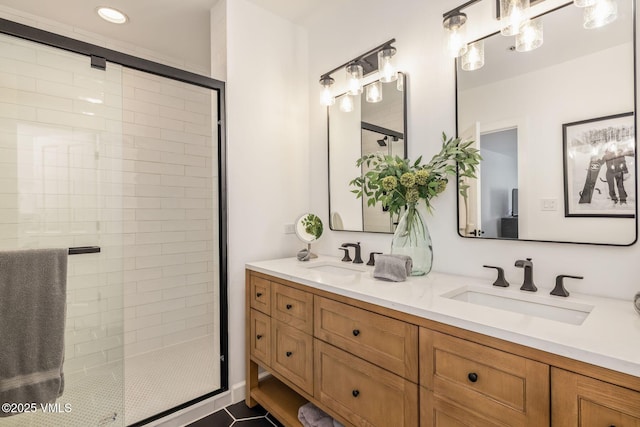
(99, 56)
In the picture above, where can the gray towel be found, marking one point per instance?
(32, 316)
(395, 268)
(312, 416)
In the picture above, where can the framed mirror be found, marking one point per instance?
(368, 128)
(549, 124)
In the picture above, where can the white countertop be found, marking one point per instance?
(608, 337)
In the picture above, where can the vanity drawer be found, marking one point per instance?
(579, 401)
(489, 382)
(260, 346)
(364, 394)
(260, 294)
(389, 343)
(292, 355)
(292, 306)
(435, 412)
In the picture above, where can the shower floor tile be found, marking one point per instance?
(163, 379)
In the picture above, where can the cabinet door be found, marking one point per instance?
(292, 355)
(362, 393)
(579, 401)
(500, 386)
(260, 337)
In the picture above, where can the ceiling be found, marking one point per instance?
(173, 28)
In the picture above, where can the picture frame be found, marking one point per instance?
(600, 167)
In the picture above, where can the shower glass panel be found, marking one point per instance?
(172, 330)
(127, 161)
(58, 120)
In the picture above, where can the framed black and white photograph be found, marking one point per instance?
(600, 167)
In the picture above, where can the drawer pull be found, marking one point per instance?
(289, 306)
(259, 294)
(355, 393)
(356, 332)
(258, 337)
(288, 354)
(473, 377)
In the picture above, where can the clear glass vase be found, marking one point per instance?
(412, 238)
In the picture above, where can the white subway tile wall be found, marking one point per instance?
(123, 160)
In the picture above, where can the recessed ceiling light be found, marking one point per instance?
(112, 15)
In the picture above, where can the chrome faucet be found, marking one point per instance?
(527, 284)
(357, 259)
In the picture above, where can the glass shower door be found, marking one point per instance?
(60, 123)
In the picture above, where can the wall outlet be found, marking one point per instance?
(289, 229)
(549, 204)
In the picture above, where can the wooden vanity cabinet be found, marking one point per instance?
(581, 401)
(371, 366)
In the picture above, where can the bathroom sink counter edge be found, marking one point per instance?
(609, 336)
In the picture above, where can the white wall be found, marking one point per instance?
(268, 149)
(417, 26)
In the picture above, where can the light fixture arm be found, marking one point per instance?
(359, 59)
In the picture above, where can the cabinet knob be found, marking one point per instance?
(473, 377)
(259, 294)
(258, 337)
(356, 332)
(288, 354)
(289, 306)
(355, 393)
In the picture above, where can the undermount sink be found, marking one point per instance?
(336, 269)
(532, 305)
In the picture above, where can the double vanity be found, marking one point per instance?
(440, 350)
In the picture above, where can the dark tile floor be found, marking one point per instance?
(238, 415)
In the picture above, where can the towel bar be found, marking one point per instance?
(84, 250)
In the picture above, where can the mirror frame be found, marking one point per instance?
(405, 97)
(635, 122)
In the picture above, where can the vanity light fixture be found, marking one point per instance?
(388, 71)
(354, 78)
(513, 13)
(378, 59)
(530, 36)
(326, 98)
(599, 14)
(453, 23)
(473, 59)
(112, 15)
(374, 92)
(346, 103)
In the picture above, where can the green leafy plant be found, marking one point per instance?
(396, 182)
(312, 225)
